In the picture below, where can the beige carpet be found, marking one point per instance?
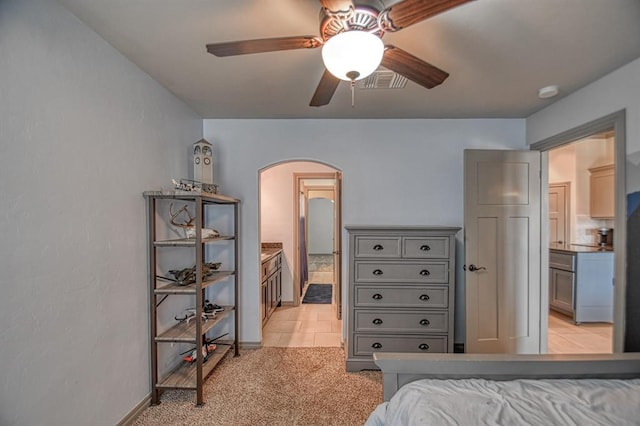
(275, 386)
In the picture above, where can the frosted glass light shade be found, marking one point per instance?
(350, 51)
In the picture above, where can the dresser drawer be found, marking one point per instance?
(400, 321)
(402, 272)
(425, 247)
(400, 296)
(377, 247)
(368, 344)
(562, 261)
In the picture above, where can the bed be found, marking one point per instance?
(471, 389)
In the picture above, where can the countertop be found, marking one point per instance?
(267, 254)
(580, 248)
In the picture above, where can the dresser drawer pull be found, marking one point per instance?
(425, 248)
(424, 322)
(377, 272)
(425, 273)
(376, 345)
(377, 321)
(377, 296)
(424, 297)
(378, 247)
(423, 347)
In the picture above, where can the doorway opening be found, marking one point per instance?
(589, 163)
(581, 257)
(307, 228)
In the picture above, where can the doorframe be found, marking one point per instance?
(617, 122)
(567, 208)
(298, 186)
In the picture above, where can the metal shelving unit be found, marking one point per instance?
(190, 375)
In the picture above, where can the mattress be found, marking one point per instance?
(517, 402)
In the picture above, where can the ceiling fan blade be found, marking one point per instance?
(325, 90)
(244, 47)
(409, 12)
(335, 6)
(415, 69)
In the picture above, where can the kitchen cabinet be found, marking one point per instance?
(581, 284)
(602, 192)
(562, 286)
(271, 285)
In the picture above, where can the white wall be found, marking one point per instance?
(83, 132)
(395, 172)
(613, 92)
(276, 206)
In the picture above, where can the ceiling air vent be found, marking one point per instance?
(383, 80)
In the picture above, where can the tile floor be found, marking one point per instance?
(307, 325)
(567, 338)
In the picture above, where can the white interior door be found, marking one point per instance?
(558, 215)
(502, 213)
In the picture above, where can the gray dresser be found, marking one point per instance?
(401, 291)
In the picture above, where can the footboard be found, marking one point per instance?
(401, 368)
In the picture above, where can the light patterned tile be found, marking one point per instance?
(322, 307)
(270, 339)
(283, 315)
(336, 326)
(326, 316)
(305, 315)
(316, 326)
(282, 326)
(296, 340)
(327, 340)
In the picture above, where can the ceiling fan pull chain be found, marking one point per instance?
(353, 94)
(352, 75)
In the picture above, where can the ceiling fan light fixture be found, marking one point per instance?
(352, 55)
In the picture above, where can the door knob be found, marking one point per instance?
(474, 268)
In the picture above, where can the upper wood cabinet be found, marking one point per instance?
(601, 192)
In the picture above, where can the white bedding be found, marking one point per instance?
(517, 402)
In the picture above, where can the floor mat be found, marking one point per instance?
(318, 293)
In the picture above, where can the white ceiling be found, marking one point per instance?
(498, 52)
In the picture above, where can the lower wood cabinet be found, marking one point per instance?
(581, 284)
(401, 291)
(271, 285)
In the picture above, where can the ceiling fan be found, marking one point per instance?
(351, 41)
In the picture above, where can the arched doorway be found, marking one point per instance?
(284, 190)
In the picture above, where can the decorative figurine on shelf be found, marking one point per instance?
(203, 162)
(207, 349)
(195, 186)
(187, 225)
(209, 311)
(187, 276)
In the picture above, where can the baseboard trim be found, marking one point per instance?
(249, 345)
(137, 410)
